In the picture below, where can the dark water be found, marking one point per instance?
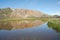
(40, 32)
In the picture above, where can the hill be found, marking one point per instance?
(24, 13)
(20, 13)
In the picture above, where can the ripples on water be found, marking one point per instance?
(37, 32)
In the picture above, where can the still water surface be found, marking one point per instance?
(41, 32)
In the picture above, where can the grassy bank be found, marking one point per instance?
(22, 19)
(55, 24)
(18, 19)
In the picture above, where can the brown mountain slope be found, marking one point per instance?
(24, 13)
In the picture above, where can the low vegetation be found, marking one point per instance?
(5, 12)
(55, 24)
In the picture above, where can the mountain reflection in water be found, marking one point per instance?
(19, 24)
(13, 31)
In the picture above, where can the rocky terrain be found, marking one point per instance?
(24, 13)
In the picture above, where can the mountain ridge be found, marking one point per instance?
(24, 13)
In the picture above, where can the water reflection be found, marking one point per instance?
(41, 32)
(37, 32)
(11, 25)
(5, 26)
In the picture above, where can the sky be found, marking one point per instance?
(51, 7)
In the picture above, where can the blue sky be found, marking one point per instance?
(47, 6)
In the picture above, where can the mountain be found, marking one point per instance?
(24, 13)
(20, 13)
(56, 16)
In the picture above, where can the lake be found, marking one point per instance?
(37, 32)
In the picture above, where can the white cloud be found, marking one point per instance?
(58, 2)
(55, 14)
